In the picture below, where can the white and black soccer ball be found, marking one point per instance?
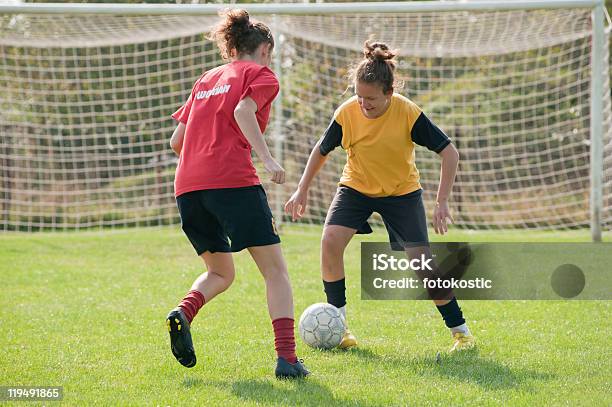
(322, 326)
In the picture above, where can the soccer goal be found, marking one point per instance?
(522, 88)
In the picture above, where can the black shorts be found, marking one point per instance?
(210, 217)
(404, 215)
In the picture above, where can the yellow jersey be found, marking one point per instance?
(380, 152)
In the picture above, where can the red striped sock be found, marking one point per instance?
(191, 304)
(284, 339)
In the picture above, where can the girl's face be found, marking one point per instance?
(372, 100)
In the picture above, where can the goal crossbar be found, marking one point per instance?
(296, 9)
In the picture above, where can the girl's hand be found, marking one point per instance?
(276, 171)
(440, 216)
(296, 205)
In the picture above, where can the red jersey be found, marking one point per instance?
(215, 153)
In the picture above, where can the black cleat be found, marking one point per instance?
(286, 370)
(180, 338)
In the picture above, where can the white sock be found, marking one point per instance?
(461, 328)
(343, 311)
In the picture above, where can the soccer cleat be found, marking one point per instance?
(286, 370)
(462, 342)
(348, 340)
(180, 338)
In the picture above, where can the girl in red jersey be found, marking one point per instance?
(218, 192)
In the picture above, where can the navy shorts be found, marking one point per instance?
(404, 215)
(212, 218)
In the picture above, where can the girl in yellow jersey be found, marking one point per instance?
(378, 129)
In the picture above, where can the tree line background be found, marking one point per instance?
(142, 170)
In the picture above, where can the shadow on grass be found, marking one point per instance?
(363, 353)
(467, 366)
(487, 373)
(302, 392)
(190, 382)
(305, 392)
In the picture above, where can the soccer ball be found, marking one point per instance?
(322, 326)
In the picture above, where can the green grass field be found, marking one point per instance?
(86, 311)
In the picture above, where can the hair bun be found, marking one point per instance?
(237, 19)
(236, 32)
(377, 51)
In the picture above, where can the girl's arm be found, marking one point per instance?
(176, 141)
(448, 170)
(296, 205)
(244, 113)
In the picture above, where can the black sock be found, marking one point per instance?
(451, 313)
(336, 292)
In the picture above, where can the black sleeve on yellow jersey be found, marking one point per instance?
(427, 134)
(332, 138)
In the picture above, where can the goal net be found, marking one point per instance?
(85, 104)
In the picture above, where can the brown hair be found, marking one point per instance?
(377, 66)
(237, 30)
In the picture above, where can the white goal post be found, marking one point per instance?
(522, 87)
